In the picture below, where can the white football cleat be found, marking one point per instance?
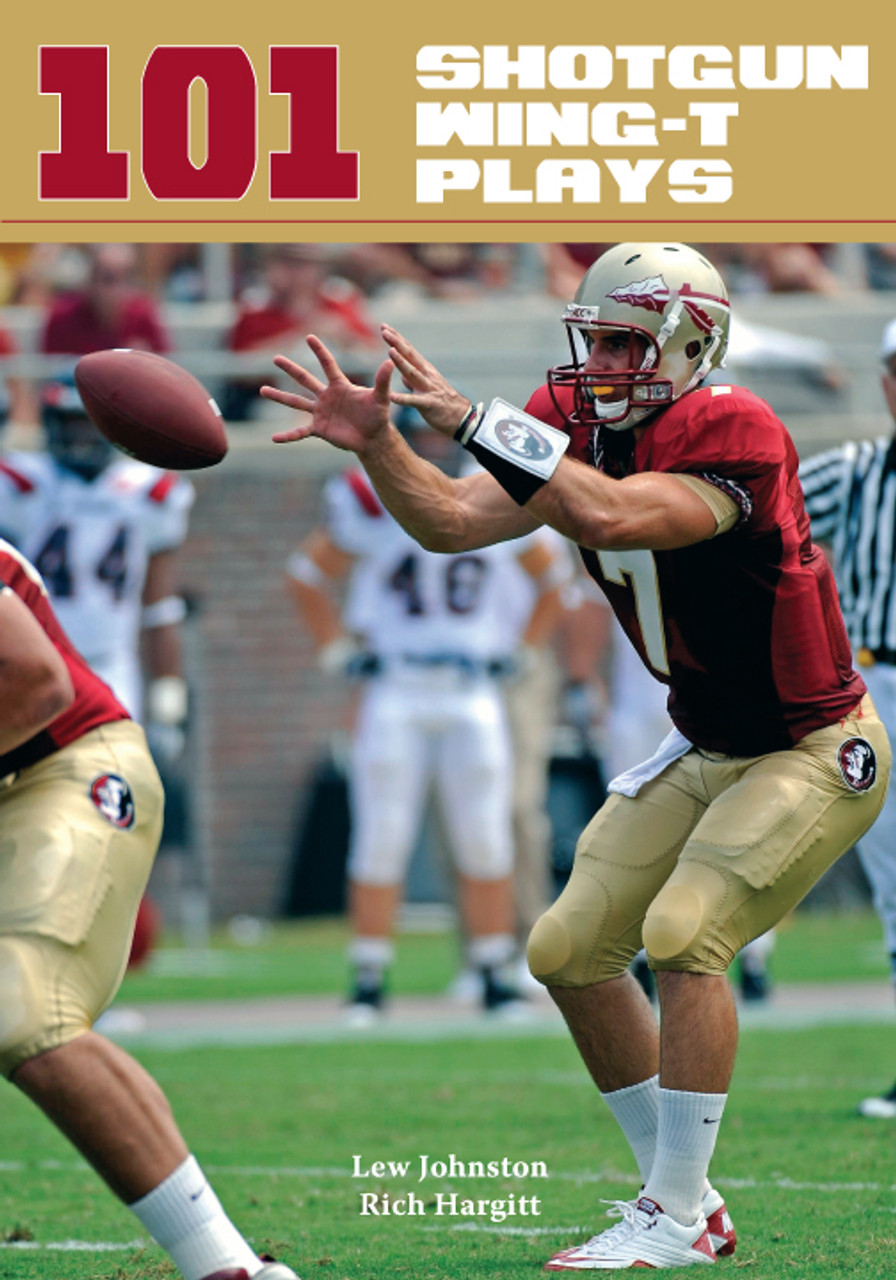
(361, 1016)
(718, 1222)
(646, 1237)
(365, 1005)
(467, 987)
(883, 1108)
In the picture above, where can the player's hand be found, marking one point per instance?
(340, 412)
(346, 656)
(432, 395)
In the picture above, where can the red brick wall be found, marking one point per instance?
(266, 711)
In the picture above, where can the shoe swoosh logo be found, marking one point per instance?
(707, 1121)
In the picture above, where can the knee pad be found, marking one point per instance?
(379, 868)
(570, 945)
(673, 923)
(31, 1019)
(18, 993)
(380, 851)
(549, 947)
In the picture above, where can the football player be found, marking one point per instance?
(81, 814)
(436, 637)
(685, 503)
(103, 532)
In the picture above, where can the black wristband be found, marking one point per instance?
(519, 451)
(518, 484)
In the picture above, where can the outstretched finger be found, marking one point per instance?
(300, 375)
(325, 359)
(408, 398)
(289, 398)
(410, 373)
(400, 345)
(382, 380)
(294, 433)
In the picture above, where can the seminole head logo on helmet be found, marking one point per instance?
(668, 308)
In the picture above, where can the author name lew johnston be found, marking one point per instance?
(448, 1204)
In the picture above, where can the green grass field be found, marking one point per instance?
(810, 1184)
(309, 958)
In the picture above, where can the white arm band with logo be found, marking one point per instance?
(521, 452)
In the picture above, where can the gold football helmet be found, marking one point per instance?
(671, 298)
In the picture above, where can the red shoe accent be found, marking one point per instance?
(229, 1273)
(720, 1227)
(704, 1245)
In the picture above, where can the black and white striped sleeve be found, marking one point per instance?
(825, 478)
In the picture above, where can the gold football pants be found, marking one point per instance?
(710, 854)
(78, 834)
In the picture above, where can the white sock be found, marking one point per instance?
(184, 1216)
(636, 1109)
(491, 950)
(686, 1137)
(375, 954)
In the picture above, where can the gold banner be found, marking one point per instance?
(469, 123)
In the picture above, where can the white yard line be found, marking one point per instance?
(339, 1172)
(781, 1185)
(228, 1034)
(74, 1246)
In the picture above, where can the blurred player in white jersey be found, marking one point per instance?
(431, 633)
(103, 531)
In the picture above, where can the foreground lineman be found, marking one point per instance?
(685, 502)
(80, 819)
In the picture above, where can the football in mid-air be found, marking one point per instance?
(151, 409)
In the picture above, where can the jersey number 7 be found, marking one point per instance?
(637, 570)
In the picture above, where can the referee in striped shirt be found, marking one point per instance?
(851, 500)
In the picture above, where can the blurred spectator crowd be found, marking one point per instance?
(83, 297)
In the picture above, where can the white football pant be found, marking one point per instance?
(422, 728)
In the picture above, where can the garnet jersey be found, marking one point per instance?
(745, 628)
(94, 703)
(91, 542)
(407, 601)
